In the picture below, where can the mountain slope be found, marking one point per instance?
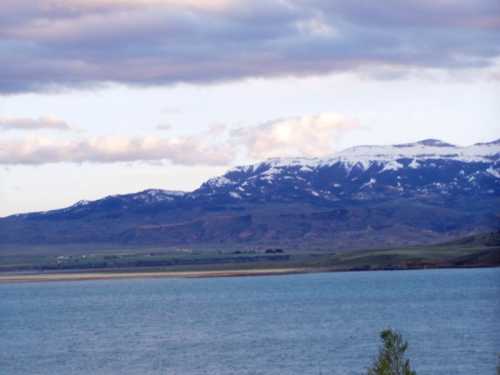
(421, 169)
(366, 196)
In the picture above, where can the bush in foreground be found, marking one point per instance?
(391, 359)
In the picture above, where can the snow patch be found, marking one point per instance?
(235, 195)
(414, 164)
(80, 203)
(369, 184)
(391, 166)
(493, 172)
(219, 181)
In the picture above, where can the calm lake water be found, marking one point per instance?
(300, 324)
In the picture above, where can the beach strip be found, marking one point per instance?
(83, 276)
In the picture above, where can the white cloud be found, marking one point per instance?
(42, 123)
(314, 135)
(181, 151)
(311, 136)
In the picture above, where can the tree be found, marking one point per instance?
(391, 359)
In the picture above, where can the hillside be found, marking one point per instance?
(364, 197)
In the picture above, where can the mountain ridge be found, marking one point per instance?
(351, 157)
(365, 196)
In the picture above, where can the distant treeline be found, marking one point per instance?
(126, 263)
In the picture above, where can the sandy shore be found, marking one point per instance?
(80, 276)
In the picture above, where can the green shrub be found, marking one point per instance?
(391, 359)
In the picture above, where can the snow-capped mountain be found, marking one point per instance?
(140, 200)
(365, 196)
(366, 172)
(146, 197)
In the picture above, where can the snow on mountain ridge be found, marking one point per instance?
(361, 172)
(149, 196)
(365, 155)
(423, 150)
(388, 158)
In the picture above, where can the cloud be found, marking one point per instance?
(297, 136)
(29, 124)
(181, 151)
(55, 44)
(313, 135)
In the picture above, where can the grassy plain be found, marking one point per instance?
(114, 263)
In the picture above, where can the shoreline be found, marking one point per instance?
(89, 276)
(14, 278)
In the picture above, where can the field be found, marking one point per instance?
(478, 251)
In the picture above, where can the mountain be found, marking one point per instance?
(426, 169)
(363, 197)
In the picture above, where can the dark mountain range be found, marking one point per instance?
(363, 197)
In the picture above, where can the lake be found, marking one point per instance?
(297, 324)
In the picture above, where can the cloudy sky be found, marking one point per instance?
(101, 97)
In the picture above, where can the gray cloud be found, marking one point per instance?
(54, 44)
(29, 124)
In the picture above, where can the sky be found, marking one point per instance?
(101, 97)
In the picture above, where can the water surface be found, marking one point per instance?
(296, 324)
